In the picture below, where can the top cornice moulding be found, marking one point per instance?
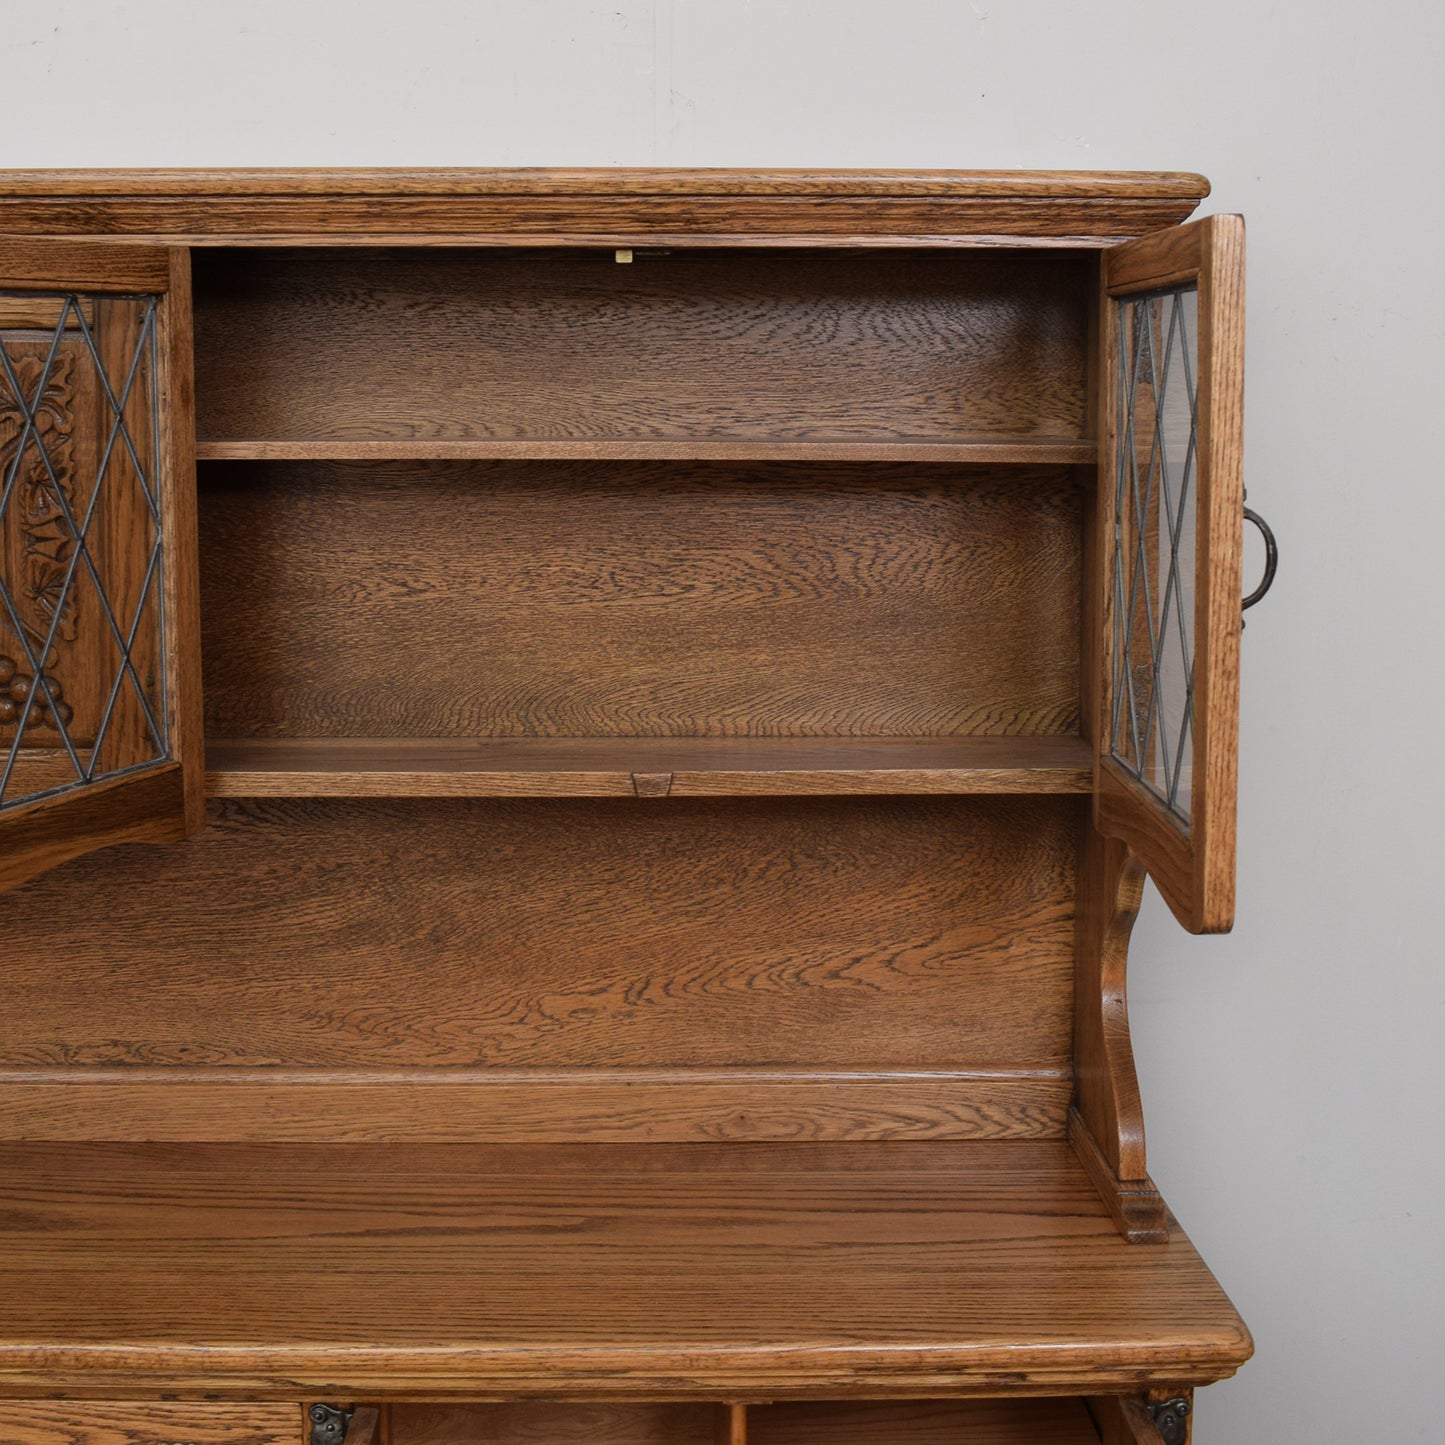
(600, 180)
(534, 206)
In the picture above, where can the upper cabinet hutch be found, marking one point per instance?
(639, 705)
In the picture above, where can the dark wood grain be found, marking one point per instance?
(507, 1106)
(658, 1272)
(803, 346)
(128, 1422)
(51, 369)
(512, 599)
(600, 206)
(546, 1422)
(817, 933)
(366, 1426)
(109, 268)
(923, 1422)
(643, 767)
(853, 1422)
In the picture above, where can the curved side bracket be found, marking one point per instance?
(1106, 1123)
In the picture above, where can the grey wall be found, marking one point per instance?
(1291, 1070)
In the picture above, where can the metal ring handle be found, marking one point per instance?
(1271, 559)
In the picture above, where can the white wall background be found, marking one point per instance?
(1292, 1071)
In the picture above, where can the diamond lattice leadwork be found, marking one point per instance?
(82, 694)
(1155, 520)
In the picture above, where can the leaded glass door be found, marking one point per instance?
(1172, 517)
(99, 713)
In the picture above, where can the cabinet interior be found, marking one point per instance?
(536, 521)
(320, 348)
(510, 599)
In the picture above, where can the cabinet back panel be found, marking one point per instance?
(315, 344)
(543, 599)
(820, 934)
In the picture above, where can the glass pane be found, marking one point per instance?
(81, 652)
(1155, 519)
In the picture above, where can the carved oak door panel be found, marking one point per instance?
(1171, 500)
(99, 677)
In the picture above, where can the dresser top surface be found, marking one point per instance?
(649, 1270)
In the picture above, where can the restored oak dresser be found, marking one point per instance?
(639, 705)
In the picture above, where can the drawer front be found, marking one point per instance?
(124, 1422)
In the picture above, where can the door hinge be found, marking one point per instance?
(1171, 1420)
(329, 1425)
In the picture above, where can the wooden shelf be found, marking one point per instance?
(627, 767)
(644, 1271)
(1023, 451)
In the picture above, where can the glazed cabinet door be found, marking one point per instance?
(1171, 500)
(100, 733)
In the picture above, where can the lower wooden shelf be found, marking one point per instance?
(650, 1272)
(924, 1422)
(627, 767)
(1062, 1421)
(848, 1422)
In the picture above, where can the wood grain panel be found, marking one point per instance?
(547, 1422)
(688, 1271)
(477, 934)
(520, 1106)
(804, 345)
(512, 599)
(111, 268)
(127, 1422)
(922, 1422)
